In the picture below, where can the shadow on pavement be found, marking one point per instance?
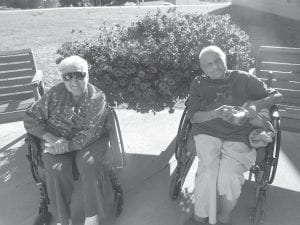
(282, 206)
(146, 181)
(18, 192)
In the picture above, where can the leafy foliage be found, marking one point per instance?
(150, 64)
(75, 3)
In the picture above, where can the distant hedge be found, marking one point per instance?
(33, 4)
(149, 65)
(30, 4)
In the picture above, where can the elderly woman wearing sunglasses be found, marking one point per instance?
(71, 119)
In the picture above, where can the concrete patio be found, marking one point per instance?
(149, 144)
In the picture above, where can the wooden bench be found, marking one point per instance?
(20, 84)
(279, 67)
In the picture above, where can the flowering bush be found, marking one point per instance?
(150, 64)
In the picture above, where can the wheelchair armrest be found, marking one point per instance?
(274, 112)
(34, 149)
(252, 71)
(38, 85)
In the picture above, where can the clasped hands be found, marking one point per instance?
(58, 145)
(226, 112)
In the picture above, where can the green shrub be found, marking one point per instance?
(150, 64)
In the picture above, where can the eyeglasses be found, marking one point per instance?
(76, 75)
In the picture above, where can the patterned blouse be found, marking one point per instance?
(56, 112)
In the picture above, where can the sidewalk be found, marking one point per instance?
(149, 144)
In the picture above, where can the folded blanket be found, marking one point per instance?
(260, 137)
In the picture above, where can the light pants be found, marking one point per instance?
(59, 179)
(220, 172)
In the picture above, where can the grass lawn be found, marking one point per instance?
(46, 30)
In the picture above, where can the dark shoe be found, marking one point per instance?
(193, 221)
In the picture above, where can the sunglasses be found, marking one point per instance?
(76, 75)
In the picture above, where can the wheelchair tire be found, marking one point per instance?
(118, 203)
(179, 176)
(259, 211)
(276, 153)
(43, 219)
(175, 187)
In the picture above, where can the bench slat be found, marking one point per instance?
(7, 83)
(289, 124)
(15, 58)
(292, 85)
(290, 97)
(293, 113)
(18, 96)
(289, 93)
(284, 63)
(15, 89)
(280, 76)
(283, 67)
(16, 52)
(12, 116)
(17, 69)
(15, 106)
(290, 101)
(16, 74)
(278, 50)
(18, 66)
(280, 57)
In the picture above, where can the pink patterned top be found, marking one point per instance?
(56, 112)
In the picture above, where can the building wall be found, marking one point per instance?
(286, 8)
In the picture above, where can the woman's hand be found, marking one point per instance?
(251, 108)
(61, 145)
(224, 112)
(56, 145)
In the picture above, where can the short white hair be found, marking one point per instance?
(215, 49)
(73, 63)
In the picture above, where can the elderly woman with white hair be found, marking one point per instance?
(71, 119)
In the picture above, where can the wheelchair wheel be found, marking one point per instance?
(183, 156)
(43, 219)
(118, 203)
(275, 152)
(258, 214)
(119, 137)
(175, 187)
(181, 132)
(179, 176)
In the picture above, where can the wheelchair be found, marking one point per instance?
(263, 170)
(34, 156)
